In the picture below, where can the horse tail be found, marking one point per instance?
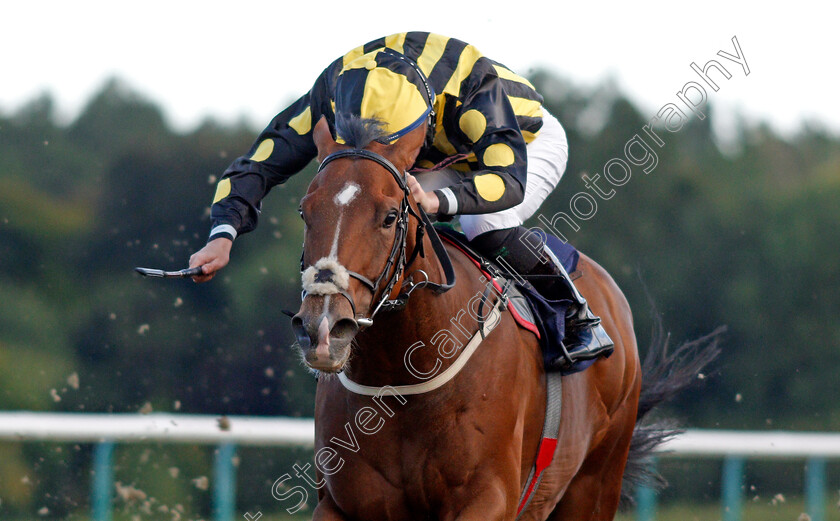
(664, 376)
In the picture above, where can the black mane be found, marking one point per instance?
(359, 132)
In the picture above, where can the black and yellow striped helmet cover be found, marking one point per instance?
(387, 86)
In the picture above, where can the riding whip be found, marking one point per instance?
(160, 274)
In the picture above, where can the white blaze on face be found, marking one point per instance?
(342, 199)
(323, 347)
(347, 194)
(340, 278)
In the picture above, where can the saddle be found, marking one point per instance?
(542, 316)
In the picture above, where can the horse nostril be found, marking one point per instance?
(345, 329)
(300, 332)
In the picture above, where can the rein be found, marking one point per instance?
(397, 259)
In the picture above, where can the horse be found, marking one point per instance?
(376, 295)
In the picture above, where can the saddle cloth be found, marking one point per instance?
(543, 316)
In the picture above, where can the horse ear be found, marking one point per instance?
(323, 139)
(404, 152)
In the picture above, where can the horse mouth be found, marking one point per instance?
(326, 364)
(325, 342)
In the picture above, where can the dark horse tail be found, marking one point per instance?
(664, 375)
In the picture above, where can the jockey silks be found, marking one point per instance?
(481, 110)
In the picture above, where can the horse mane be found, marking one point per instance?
(357, 131)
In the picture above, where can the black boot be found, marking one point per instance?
(585, 338)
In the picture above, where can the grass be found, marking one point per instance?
(762, 510)
(790, 510)
(752, 511)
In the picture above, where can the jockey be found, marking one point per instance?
(503, 155)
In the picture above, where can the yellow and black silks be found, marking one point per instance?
(481, 109)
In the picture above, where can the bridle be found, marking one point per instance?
(398, 260)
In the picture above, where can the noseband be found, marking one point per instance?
(397, 259)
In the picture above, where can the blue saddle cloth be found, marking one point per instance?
(549, 315)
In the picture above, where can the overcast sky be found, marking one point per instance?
(249, 58)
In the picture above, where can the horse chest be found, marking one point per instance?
(401, 467)
(402, 481)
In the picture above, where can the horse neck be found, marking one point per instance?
(438, 321)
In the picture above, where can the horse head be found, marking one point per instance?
(356, 214)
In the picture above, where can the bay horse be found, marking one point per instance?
(464, 450)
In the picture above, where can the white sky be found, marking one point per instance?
(250, 58)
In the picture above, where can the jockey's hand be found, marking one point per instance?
(213, 257)
(428, 200)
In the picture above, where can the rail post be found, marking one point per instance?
(224, 483)
(102, 482)
(731, 485)
(646, 499)
(815, 488)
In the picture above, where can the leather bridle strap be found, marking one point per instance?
(397, 257)
(373, 156)
(487, 325)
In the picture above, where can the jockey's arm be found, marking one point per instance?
(487, 121)
(280, 151)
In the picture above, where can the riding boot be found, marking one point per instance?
(585, 337)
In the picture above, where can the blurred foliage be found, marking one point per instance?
(742, 232)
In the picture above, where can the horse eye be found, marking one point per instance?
(300, 211)
(390, 219)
